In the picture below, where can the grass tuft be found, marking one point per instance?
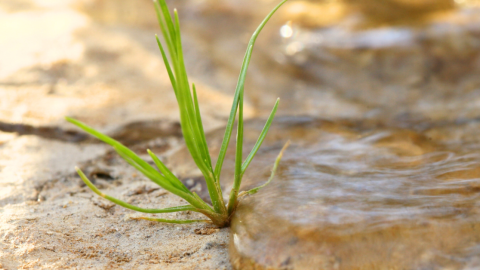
(192, 128)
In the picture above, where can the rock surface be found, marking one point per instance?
(58, 60)
(50, 220)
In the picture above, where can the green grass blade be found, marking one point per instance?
(179, 54)
(165, 30)
(167, 65)
(92, 131)
(238, 159)
(128, 155)
(187, 113)
(261, 138)
(129, 206)
(239, 88)
(193, 132)
(141, 165)
(123, 150)
(187, 102)
(190, 197)
(167, 173)
(206, 206)
(155, 177)
(181, 72)
(239, 152)
(274, 169)
(203, 140)
(171, 29)
(175, 221)
(194, 137)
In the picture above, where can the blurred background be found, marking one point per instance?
(398, 63)
(97, 60)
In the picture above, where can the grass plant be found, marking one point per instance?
(218, 213)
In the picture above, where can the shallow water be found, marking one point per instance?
(359, 198)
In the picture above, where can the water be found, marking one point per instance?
(357, 195)
(360, 198)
